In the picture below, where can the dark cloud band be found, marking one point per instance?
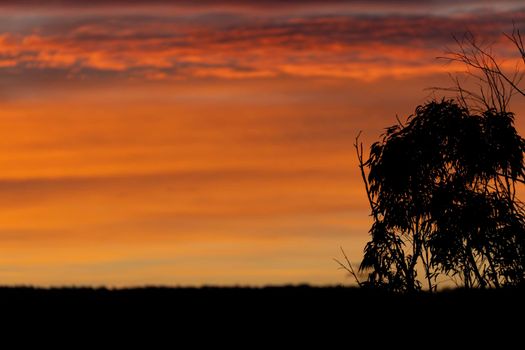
(161, 45)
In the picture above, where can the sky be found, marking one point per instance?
(207, 142)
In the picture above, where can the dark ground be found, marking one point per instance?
(261, 314)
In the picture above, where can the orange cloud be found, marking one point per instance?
(162, 47)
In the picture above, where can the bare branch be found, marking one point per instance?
(348, 267)
(359, 151)
(495, 86)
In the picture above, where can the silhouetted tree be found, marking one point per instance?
(442, 192)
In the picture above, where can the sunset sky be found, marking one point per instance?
(206, 142)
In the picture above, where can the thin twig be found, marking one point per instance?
(348, 267)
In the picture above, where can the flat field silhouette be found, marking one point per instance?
(272, 317)
(276, 307)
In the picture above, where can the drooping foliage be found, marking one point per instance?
(442, 190)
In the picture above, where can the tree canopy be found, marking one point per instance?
(442, 191)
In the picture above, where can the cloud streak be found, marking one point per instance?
(240, 46)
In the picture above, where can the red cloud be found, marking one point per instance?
(163, 47)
